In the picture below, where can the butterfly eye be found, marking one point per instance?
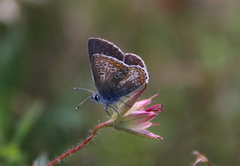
(97, 65)
(117, 76)
(95, 97)
(122, 76)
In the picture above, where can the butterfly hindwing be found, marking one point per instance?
(134, 77)
(114, 78)
(133, 59)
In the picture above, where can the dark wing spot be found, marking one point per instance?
(112, 84)
(132, 88)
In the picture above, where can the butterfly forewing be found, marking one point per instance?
(101, 46)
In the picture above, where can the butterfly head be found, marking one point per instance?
(105, 100)
(96, 97)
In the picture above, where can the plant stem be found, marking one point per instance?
(80, 146)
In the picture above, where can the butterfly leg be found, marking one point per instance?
(114, 109)
(125, 103)
(115, 106)
(105, 108)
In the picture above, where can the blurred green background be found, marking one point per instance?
(192, 52)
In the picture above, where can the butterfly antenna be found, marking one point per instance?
(84, 89)
(82, 102)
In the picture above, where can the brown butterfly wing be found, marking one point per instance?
(114, 79)
(133, 59)
(104, 70)
(132, 79)
(101, 46)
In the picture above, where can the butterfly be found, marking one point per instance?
(114, 73)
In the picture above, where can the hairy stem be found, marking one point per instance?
(80, 146)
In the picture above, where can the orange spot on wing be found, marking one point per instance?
(142, 82)
(141, 78)
(112, 62)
